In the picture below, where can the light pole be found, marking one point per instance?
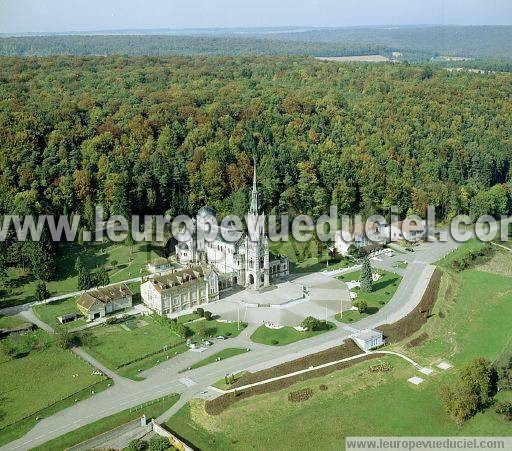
(238, 315)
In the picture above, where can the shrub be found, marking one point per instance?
(504, 408)
(65, 339)
(158, 443)
(471, 392)
(300, 395)
(207, 315)
(137, 445)
(274, 341)
(361, 305)
(41, 292)
(200, 311)
(313, 324)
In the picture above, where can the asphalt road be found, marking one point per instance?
(166, 378)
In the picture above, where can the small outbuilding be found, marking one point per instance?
(97, 303)
(369, 339)
(67, 318)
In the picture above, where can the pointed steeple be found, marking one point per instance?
(254, 195)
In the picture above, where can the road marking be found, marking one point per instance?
(187, 382)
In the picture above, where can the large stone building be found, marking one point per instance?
(244, 261)
(180, 289)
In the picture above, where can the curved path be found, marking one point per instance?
(165, 378)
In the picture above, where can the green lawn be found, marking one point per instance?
(10, 321)
(115, 346)
(222, 355)
(401, 265)
(308, 256)
(215, 328)
(383, 291)
(151, 409)
(474, 244)
(130, 352)
(470, 319)
(42, 378)
(19, 286)
(187, 318)
(355, 403)
(222, 382)
(283, 336)
(48, 313)
(133, 370)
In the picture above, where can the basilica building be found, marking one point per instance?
(244, 261)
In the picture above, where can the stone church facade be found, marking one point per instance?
(245, 262)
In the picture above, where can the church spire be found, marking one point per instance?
(254, 195)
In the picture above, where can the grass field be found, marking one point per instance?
(130, 352)
(215, 328)
(47, 379)
(151, 410)
(476, 309)
(383, 291)
(10, 321)
(20, 286)
(48, 313)
(115, 346)
(307, 257)
(283, 336)
(222, 355)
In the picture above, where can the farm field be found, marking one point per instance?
(284, 336)
(383, 291)
(20, 286)
(360, 400)
(47, 381)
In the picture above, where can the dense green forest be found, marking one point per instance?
(154, 135)
(161, 45)
(486, 41)
(416, 43)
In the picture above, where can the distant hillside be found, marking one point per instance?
(470, 41)
(416, 43)
(162, 45)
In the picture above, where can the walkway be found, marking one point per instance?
(314, 368)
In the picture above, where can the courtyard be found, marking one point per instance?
(287, 302)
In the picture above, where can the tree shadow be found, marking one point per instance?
(382, 284)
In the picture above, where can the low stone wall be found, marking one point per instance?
(175, 441)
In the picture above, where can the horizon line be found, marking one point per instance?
(278, 28)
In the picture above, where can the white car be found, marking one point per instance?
(221, 337)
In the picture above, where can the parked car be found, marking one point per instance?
(409, 249)
(207, 343)
(221, 337)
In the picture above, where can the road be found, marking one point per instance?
(166, 378)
